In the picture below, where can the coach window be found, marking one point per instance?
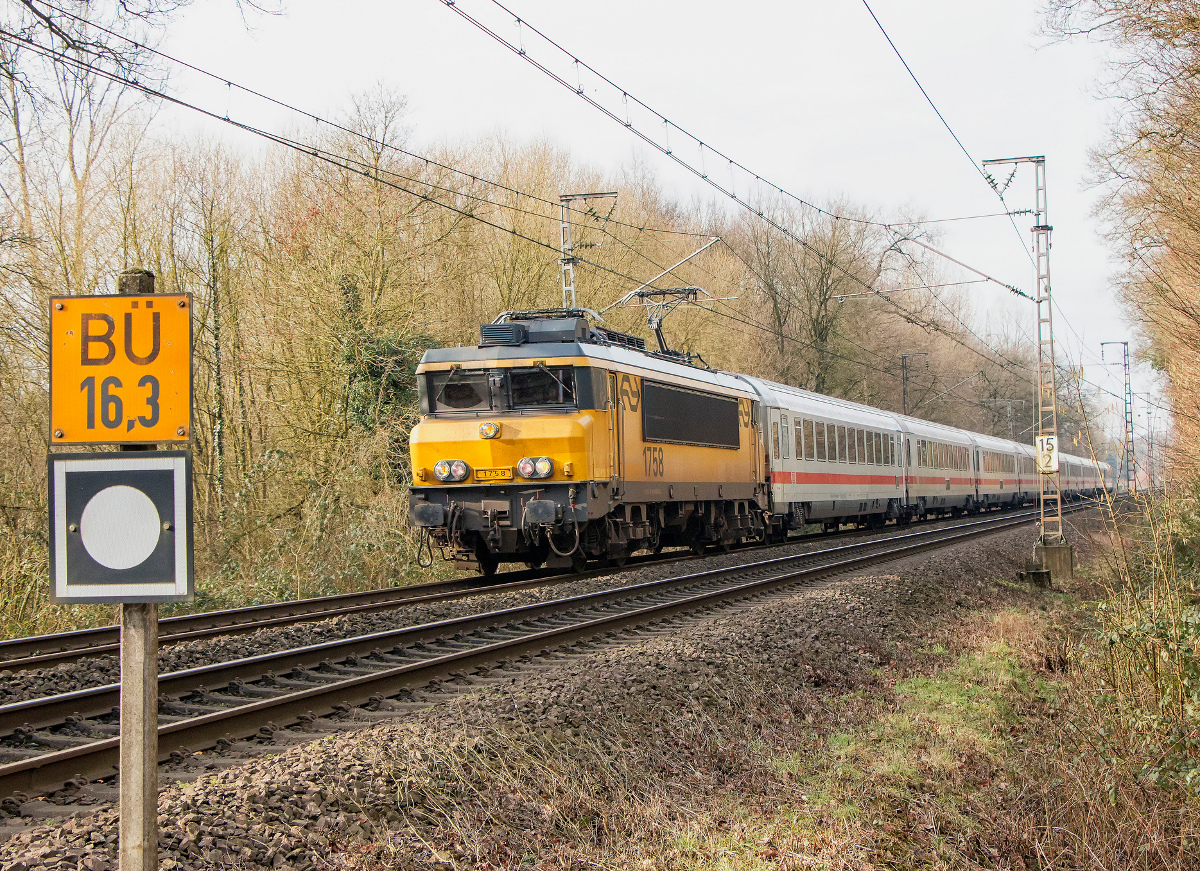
(775, 439)
(819, 441)
(785, 438)
(810, 445)
(799, 440)
(871, 455)
(842, 453)
(851, 453)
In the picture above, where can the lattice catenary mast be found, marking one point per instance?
(1050, 502)
(1130, 473)
(568, 259)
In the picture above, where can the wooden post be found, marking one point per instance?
(139, 737)
(138, 835)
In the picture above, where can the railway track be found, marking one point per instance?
(47, 742)
(47, 651)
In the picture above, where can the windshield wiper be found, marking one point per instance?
(542, 366)
(453, 374)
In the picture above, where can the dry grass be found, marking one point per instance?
(983, 757)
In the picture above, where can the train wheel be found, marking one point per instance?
(488, 565)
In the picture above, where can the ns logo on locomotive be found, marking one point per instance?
(557, 441)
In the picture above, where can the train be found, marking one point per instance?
(556, 441)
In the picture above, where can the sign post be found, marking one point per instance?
(120, 523)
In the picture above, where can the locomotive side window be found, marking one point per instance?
(541, 386)
(458, 390)
(679, 415)
(820, 441)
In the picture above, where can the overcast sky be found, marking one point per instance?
(807, 94)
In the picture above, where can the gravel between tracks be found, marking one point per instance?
(101, 670)
(424, 791)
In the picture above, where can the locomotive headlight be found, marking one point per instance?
(535, 467)
(451, 470)
(489, 430)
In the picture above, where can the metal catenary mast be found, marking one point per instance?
(568, 259)
(1130, 472)
(1047, 395)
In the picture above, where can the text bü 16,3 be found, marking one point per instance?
(110, 407)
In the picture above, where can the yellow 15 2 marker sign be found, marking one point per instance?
(120, 369)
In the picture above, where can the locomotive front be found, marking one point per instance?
(504, 450)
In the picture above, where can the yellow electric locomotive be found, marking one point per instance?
(555, 442)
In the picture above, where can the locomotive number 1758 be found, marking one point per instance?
(653, 458)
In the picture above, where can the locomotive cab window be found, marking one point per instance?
(483, 390)
(541, 386)
(459, 390)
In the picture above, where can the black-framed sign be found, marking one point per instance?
(121, 527)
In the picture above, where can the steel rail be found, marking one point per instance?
(41, 650)
(586, 616)
(46, 651)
